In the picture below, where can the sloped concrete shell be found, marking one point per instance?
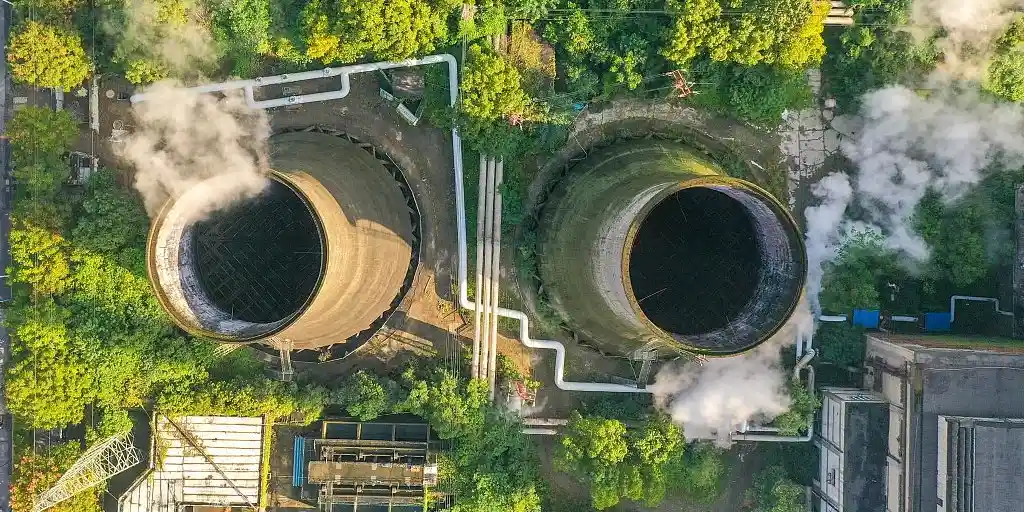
(587, 231)
(365, 234)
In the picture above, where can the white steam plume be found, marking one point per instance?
(167, 34)
(908, 144)
(966, 30)
(184, 141)
(712, 400)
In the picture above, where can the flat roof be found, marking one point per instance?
(998, 466)
(209, 460)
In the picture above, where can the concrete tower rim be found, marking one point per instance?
(778, 209)
(200, 331)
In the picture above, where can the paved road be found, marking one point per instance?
(5, 290)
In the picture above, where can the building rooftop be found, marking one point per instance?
(200, 460)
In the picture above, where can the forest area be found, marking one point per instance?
(91, 342)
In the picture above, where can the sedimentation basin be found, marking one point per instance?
(318, 257)
(647, 244)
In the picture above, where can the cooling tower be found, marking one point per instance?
(646, 242)
(316, 258)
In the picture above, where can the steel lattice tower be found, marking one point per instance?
(100, 462)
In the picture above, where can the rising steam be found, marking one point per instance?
(165, 34)
(184, 141)
(963, 31)
(908, 143)
(713, 400)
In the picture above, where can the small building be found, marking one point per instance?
(200, 464)
(949, 413)
(852, 447)
(366, 466)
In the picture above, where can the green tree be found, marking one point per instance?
(636, 465)
(48, 385)
(35, 472)
(840, 344)
(698, 474)
(590, 443)
(453, 409)
(875, 52)
(39, 259)
(387, 30)
(48, 56)
(803, 404)
(367, 396)
(242, 28)
(261, 397)
(1006, 68)
(784, 33)
(759, 94)
(35, 132)
(851, 281)
(772, 492)
(491, 87)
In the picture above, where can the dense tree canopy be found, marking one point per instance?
(772, 492)
(851, 280)
(344, 31)
(783, 33)
(47, 56)
(35, 472)
(617, 463)
(367, 396)
(1006, 70)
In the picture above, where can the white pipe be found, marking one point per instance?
(902, 318)
(492, 365)
(477, 305)
(774, 438)
(954, 298)
(535, 431)
(485, 285)
(343, 72)
(460, 192)
(832, 318)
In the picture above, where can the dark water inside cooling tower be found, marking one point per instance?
(261, 259)
(694, 262)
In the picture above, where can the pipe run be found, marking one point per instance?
(954, 298)
(343, 73)
(769, 434)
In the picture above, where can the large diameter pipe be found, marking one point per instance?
(485, 285)
(478, 308)
(496, 278)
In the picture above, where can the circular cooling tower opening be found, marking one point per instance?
(259, 261)
(695, 261)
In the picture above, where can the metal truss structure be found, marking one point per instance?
(100, 462)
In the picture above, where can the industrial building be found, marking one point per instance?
(320, 257)
(647, 246)
(938, 425)
(365, 466)
(200, 464)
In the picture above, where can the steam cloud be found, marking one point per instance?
(906, 145)
(713, 400)
(213, 147)
(166, 34)
(968, 29)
